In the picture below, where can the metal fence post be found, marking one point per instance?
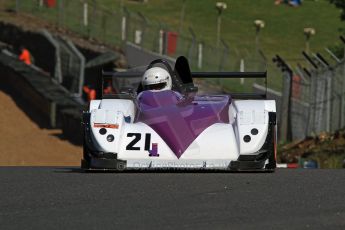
(200, 55)
(304, 99)
(311, 114)
(123, 28)
(161, 42)
(285, 113)
(242, 70)
(285, 120)
(342, 110)
(85, 14)
(329, 101)
(318, 100)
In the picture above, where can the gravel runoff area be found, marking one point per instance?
(23, 143)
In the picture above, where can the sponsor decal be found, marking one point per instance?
(108, 126)
(154, 151)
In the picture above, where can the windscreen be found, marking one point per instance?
(122, 82)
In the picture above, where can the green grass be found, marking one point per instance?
(283, 33)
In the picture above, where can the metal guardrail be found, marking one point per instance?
(39, 92)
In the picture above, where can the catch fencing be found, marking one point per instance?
(116, 27)
(72, 66)
(313, 99)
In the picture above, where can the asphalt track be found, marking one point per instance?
(64, 198)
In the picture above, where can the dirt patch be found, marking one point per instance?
(23, 143)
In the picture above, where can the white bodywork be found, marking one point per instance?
(215, 147)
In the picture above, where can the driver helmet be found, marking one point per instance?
(156, 79)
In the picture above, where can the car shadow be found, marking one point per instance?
(156, 171)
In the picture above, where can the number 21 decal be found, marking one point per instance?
(133, 145)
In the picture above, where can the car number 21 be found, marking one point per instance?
(133, 145)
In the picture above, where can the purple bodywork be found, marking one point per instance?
(179, 121)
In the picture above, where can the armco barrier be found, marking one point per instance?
(39, 44)
(48, 96)
(37, 91)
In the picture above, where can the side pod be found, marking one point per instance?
(96, 160)
(266, 155)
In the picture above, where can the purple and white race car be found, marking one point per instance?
(177, 128)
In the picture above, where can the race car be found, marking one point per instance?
(155, 119)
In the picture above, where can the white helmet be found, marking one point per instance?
(156, 78)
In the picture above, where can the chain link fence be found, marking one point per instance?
(315, 100)
(72, 63)
(115, 27)
(87, 18)
(327, 97)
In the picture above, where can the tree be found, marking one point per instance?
(338, 49)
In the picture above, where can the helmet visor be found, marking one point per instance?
(157, 86)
